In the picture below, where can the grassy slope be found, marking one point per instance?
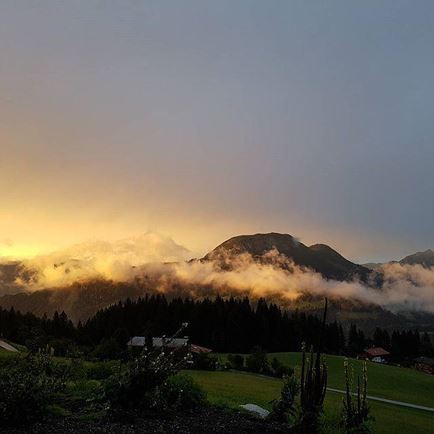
(233, 389)
(401, 384)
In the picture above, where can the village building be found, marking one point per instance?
(424, 364)
(375, 354)
(159, 342)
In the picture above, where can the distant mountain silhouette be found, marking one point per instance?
(426, 259)
(318, 257)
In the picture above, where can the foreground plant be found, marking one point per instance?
(143, 383)
(304, 418)
(27, 386)
(356, 415)
(313, 385)
(284, 409)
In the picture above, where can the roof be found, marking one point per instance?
(198, 349)
(140, 341)
(137, 341)
(425, 361)
(377, 352)
(168, 342)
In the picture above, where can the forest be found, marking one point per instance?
(223, 325)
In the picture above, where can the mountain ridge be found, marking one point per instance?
(318, 257)
(82, 299)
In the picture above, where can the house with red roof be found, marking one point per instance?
(375, 354)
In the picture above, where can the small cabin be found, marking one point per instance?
(424, 364)
(376, 354)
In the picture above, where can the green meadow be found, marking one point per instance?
(232, 389)
(391, 382)
(384, 381)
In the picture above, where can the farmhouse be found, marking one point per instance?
(424, 364)
(375, 354)
(158, 342)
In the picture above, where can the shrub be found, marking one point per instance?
(108, 349)
(279, 370)
(284, 408)
(205, 361)
(258, 362)
(236, 361)
(183, 393)
(99, 371)
(140, 385)
(62, 347)
(27, 385)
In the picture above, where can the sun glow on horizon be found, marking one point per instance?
(22, 251)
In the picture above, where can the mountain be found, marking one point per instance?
(81, 288)
(79, 300)
(319, 257)
(426, 259)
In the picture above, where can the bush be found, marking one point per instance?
(205, 361)
(108, 349)
(236, 361)
(258, 362)
(140, 385)
(182, 392)
(62, 347)
(99, 371)
(284, 408)
(279, 370)
(26, 387)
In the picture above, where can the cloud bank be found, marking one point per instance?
(163, 265)
(116, 260)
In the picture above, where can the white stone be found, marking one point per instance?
(253, 408)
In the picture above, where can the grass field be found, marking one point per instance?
(392, 382)
(233, 389)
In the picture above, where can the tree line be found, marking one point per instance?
(225, 325)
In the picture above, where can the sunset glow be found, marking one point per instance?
(120, 120)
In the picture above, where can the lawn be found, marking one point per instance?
(392, 382)
(233, 389)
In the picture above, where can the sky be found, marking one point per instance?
(201, 120)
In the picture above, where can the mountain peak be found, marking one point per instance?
(426, 259)
(319, 257)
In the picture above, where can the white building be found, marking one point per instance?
(140, 341)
